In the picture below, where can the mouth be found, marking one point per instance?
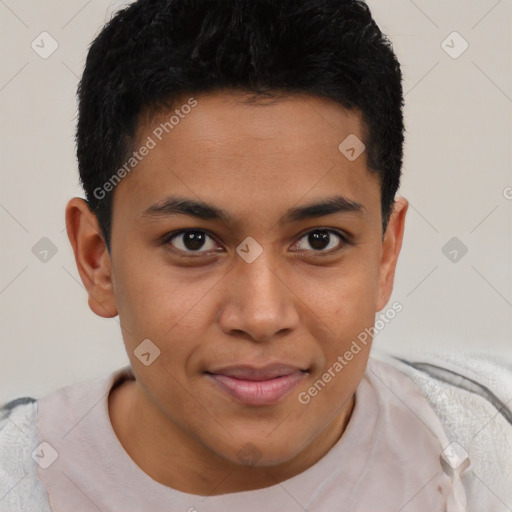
(257, 386)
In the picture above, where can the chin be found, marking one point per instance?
(261, 452)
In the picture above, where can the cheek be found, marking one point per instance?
(153, 298)
(167, 309)
(345, 296)
(348, 308)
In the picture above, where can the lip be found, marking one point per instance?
(249, 372)
(258, 386)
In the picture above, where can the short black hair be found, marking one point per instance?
(156, 50)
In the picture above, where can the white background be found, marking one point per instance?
(457, 167)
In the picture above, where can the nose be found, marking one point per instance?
(261, 305)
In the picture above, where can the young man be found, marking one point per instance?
(240, 161)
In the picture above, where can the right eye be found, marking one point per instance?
(189, 241)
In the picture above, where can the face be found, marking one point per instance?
(251, 295)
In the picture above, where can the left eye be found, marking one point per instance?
(321, 239)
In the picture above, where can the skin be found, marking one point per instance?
(293, 304)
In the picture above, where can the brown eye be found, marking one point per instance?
(321, 240)
(191, 240)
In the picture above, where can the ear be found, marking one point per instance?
(91, 257)
(391, 246)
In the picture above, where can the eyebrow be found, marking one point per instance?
(175, 205)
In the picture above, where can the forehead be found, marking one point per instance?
(233, 119)
(226, 150)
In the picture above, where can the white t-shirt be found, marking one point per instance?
(389, 459)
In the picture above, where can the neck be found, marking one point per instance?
(174, 458)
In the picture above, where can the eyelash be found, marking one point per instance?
(170, 236)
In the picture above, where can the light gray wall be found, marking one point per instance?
(457, 170)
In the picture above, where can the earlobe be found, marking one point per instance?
(91, 257)
(391, 246)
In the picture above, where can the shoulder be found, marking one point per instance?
(472, 396)
(20, 488)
